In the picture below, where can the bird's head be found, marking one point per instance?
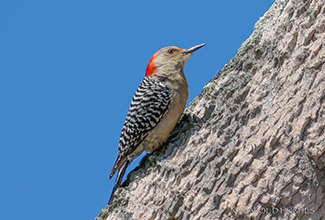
(169, 59)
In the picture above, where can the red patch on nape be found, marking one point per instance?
(151, 68)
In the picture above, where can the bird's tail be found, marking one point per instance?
(118, 180)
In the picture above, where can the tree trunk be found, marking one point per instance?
(251, 145)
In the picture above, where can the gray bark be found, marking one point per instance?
(251, 145)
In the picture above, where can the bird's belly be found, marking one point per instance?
(160, 133)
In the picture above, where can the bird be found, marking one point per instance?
(155, 109)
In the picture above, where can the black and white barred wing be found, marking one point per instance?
(149, 104)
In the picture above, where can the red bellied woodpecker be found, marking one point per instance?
(156, 107)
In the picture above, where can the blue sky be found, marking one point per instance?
(68, 71)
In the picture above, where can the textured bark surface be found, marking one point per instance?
(252, 145)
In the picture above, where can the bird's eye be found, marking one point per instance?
(170, 51)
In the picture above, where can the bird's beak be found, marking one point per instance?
(192, 49)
